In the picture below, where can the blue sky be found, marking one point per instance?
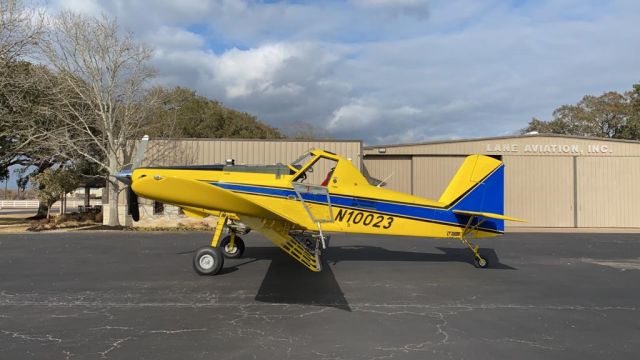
(388, 71)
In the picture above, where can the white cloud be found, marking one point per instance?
(415, 8)
(386, 123)
(252, 71)
(353, 116)
(89, 7)
(467, 69)
(171, 37)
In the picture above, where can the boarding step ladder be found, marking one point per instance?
(316, 201)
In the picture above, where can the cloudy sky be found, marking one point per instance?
(388, 71)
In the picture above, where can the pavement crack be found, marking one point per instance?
(440, 327)
(115, 345)
(175, 331)
(107, 327)
(46, 337)
(525, 342)
(313, 312)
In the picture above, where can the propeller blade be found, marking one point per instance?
(132, 201)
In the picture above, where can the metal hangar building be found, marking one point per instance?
(550, 180)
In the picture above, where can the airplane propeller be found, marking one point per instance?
(124, 176)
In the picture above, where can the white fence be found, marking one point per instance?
(33, 204)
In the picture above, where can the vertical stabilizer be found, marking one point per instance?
(478, 186)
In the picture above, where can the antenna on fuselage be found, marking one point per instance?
(385, 179)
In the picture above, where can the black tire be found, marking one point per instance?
(481, 263)
(208, 261)
(236, 251)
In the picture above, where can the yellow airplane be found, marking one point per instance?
(295, 205)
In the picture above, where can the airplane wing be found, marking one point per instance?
(487, 215)
(198, 194)
(199, 198)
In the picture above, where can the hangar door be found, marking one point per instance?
(432, 174)
(608, 191)
(395, 169)
(540, 189)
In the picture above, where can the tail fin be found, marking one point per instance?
(478, 186)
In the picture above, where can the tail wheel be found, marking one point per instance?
(481, 262)
(208, 261)
(232, 251)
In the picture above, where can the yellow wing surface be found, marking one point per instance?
(199, 198)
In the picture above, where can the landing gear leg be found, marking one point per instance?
(222, 222)
(232, 246)
(478, 260)
(209, 260)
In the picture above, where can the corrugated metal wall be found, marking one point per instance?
(263, 152)
(432, 174)
(253, 152)
(537, 188)
(395, 169)
(540, 190)
(608, 192)
(584, 188)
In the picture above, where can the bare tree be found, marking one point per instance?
(101, 77)
(20, 29)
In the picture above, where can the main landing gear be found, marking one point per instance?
(209, 260)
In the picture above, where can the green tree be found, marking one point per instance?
(610, 115)
(189, 115)
(52, 184)
(632, 128)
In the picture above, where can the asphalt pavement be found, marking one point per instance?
(134, 295)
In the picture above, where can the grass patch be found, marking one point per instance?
(66, 221)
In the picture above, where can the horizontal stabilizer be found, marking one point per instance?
(487, 215)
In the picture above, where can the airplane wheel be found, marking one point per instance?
(482, 263)
(208, 260)
(232, 252)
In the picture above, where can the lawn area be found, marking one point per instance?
(12, 222)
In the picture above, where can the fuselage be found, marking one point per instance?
(346, 202)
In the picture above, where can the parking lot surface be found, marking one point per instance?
(134, 295)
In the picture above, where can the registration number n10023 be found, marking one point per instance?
(366, 219)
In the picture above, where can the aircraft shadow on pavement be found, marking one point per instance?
(375, 253)
(287, 282)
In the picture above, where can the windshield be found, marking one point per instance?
(301, 161)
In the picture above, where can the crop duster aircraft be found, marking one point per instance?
(295, 212)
